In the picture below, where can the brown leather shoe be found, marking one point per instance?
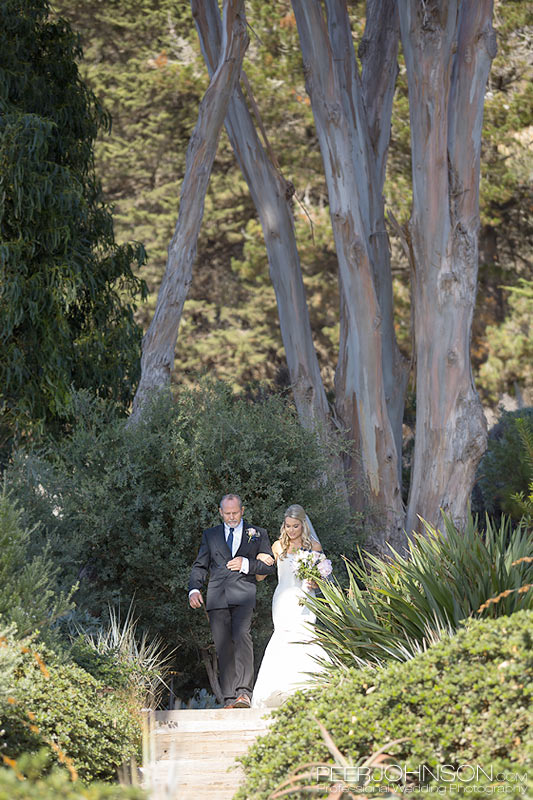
(243, 701)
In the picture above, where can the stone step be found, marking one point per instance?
(194, 751)
(189, 770)
(203, 743)
(176, 779)
(218, 719)
(181, 791)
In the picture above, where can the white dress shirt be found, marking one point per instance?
(237, 538)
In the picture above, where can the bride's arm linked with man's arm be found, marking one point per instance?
(266, 559)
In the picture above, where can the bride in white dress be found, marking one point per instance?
(290, 654)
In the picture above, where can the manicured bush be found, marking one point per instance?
(123, 507)
(63, 708)
(464, 701)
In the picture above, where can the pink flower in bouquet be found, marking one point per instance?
(324, 567)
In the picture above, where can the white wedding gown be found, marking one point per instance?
(290, 654)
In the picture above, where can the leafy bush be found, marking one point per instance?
(124, 507)
(65, 709)
(104, 667)
(464, 701)
(24, 781)
(407, 603)
(27, 587)
(10, 660)
(505, 469)
(524, 501)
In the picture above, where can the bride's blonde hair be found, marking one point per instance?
(296, 512)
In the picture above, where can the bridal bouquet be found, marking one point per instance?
(310, 565)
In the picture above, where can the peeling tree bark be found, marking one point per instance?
(271, 196)
(160, 339)
(362, 388)
(448, 51)
(367, 103)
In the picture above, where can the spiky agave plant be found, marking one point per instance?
(146, 659)
(396, 607)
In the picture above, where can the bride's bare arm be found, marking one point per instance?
(266, 559)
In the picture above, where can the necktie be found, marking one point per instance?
(230, 540)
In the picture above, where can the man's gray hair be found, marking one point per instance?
(231, 497)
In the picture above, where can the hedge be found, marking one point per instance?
(464, 701)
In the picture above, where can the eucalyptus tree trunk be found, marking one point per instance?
(367, 103)
(448, 47)
(271, 195)
(371, 377)
(160, 339)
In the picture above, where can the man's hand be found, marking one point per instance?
(235, 564)
(196, 600)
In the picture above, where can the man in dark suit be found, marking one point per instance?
(229, 553)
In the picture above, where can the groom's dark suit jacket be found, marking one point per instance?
(226, 587)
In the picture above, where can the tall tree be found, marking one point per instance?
(448, 51)
(448, 47)
(66, 288)
(272, 196)
(160, 340)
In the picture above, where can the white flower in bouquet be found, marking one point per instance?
(311, 565)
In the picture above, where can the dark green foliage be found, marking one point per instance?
(94, 727)
(104, 667)
(37, 786)
(525, 501)
(466, 700)
(408, 602)
(505, 469)
(27, 586)
(131, 502)
(10, 660)
(65, 314)
(509, 344)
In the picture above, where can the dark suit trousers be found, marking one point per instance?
(233, 641)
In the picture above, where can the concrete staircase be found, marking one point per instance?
(191, 753)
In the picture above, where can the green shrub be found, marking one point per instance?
(65, 709)
(407, 603)
(123, 507)
(523, 500)
(104, 667)
(465, 700)
(27, 587)
(24, 781)
(505, 469)
(10, 660)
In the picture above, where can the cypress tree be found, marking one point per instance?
(67, 289)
